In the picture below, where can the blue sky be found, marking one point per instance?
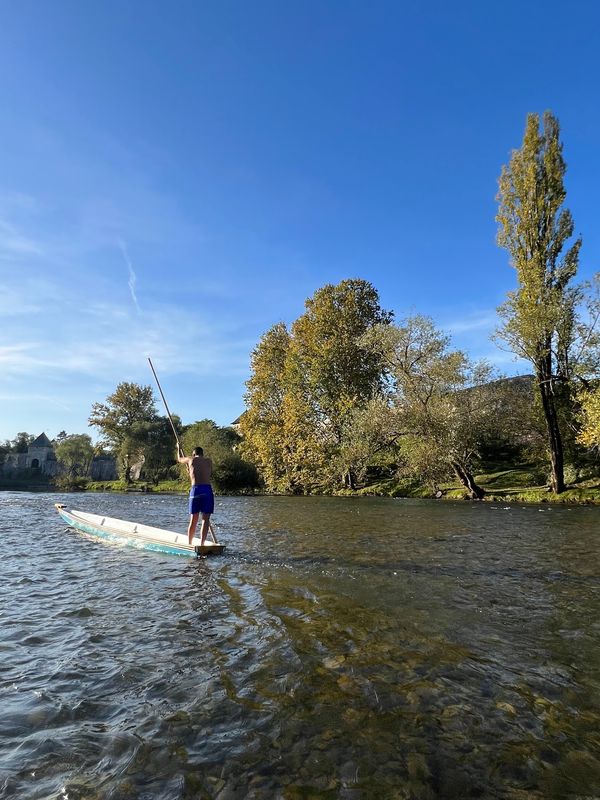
(177, 177)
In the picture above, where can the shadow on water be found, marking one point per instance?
(340, 650)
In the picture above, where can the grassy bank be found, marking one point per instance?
(143, 487)
(164, 487)
(521, 483)
(516, 484)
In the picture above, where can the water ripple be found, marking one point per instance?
(342, 648)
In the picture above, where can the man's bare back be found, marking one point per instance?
(200, 470)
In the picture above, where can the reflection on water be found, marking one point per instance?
(342, 648)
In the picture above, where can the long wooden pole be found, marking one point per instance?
(166, 406)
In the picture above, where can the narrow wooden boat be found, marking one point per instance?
(134, 534)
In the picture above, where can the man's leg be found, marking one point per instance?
(192, 526)
(204, 528)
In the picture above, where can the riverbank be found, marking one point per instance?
(507, 486)
(515, 484)
(164, 487)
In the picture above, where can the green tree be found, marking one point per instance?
(207, 434)
(154, 441)
(129, 404)
(306, 387)
(74, 454)
(262, 423)
(231, 472)
(439, 408)
(21, 442)
(589, 434)
(519, 431)
(371, 448)
(539, 318)
(588, 394)
(329, 374)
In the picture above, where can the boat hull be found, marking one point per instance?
(143, 537)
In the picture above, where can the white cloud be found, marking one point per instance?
(14, 244)
(109, 339)
(67, 323)
(15, 357)
(477, 321)
(44, 399)
(132, 276)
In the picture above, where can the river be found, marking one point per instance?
(342, 648)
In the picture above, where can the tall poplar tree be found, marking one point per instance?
(539, 317)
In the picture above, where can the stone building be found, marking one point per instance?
(40, 455)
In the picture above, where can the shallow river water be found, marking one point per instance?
(342, 648)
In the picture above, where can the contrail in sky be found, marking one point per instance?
(132, 276)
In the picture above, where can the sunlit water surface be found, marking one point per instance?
(342, 648)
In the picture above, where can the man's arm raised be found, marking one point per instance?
(183, 459)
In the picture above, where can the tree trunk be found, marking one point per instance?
(127, 468)
(468, 481)
(557, 480)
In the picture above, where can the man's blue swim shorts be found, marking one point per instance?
(202, 500)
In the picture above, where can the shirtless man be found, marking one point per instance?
(202, 500)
